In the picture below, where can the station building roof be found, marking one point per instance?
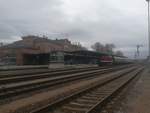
(82, 53)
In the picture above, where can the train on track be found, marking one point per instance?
(88, 57)
(113, 60)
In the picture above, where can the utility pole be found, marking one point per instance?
(135, 55)
(148, 29)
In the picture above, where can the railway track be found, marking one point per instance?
(29, 72)
(29, 77)
(93, 98)
(10, 89)
(26, 72)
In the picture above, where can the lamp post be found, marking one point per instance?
(148, 29)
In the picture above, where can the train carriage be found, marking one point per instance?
(105, 60)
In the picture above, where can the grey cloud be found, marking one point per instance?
(110, 21)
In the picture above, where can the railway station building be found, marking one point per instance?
(34, 50)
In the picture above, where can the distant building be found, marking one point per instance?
(30, 48)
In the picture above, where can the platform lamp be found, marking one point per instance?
(148, 29)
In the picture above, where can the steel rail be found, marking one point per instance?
(29, 72)
(12, 79)
(116, 80)
(10, 90)
(42, 75)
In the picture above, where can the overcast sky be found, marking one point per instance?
(122, 22)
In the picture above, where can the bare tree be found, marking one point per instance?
(107, 48)
(98, 47)
(78, 46)
(110, 48)
(119, 53)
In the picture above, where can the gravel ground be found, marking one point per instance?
(36, 100)
(137, 100)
